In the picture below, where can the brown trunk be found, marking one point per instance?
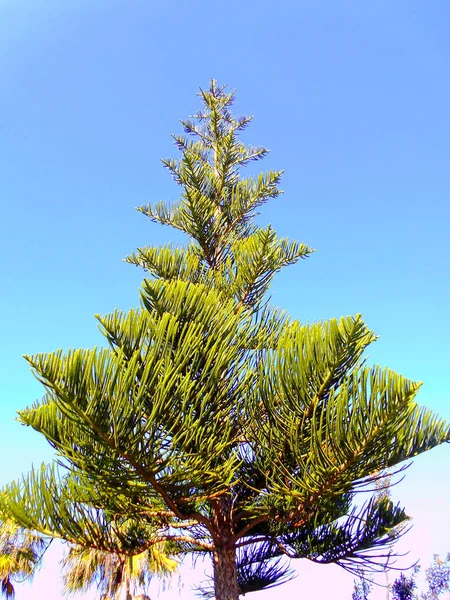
(225, 574)
(127, 578)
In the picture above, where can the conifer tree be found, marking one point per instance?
(212, 419)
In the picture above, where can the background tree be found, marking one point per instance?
(114, 575)
(361, 589)
(20, 554)
(212, 418)
(403, 587)
(438, 578)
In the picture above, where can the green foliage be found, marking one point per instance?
(211, 419)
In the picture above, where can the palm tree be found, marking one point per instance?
(20, 554)
(115, 574)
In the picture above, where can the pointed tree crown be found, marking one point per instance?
(217, 209)
(211, 420)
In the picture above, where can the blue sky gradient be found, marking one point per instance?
(352, 99)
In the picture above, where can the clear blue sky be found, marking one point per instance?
(352, 97)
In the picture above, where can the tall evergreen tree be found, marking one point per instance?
(213, 418)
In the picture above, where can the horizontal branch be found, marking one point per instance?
(256, 540)
(249, 526)
(180, 538)
(144, 474)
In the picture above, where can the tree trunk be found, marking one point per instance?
(225, 574)
(127, 578)
(388, 587)
(123, 592)
(127, 592)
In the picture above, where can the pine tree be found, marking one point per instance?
(213, 418)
